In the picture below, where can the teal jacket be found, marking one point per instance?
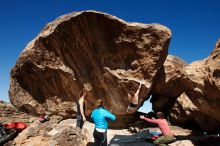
(101, 116)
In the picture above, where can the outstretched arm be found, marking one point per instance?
(134, 98)
(110, 116)
(138, 90)
(154, 121)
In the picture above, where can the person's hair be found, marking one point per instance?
(81, 94)
(160, 115)
(99, 103)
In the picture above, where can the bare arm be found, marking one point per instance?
(134, 98)
(81, 105)
(138, 90)
(154, 121)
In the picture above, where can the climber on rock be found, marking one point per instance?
(133, 99)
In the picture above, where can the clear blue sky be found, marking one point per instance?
(195, 24)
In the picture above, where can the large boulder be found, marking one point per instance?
(185, 113)
(167, 86)
(202, 79)
(87, 48)
(189, 93)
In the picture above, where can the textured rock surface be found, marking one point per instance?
(185, 113)
(114, 57)
(202, 79)
(111, 55)
(50, 133)
(167, 86)
(9, 114)
(199, 84)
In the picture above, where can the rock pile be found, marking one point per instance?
(51, 133)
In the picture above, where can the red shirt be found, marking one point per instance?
(162, 124)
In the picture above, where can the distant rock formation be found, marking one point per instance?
(49, 133)
(87, 47)
(9, 114)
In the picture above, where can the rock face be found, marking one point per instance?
(167, 86)
(202, 79)
(199, 86)
(185, 113)
(189, 93)
(88, 47)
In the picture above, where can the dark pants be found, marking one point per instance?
(100, 138)
(79, 121)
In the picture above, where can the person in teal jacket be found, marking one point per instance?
(100, 117)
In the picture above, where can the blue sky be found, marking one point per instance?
(195, 24)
